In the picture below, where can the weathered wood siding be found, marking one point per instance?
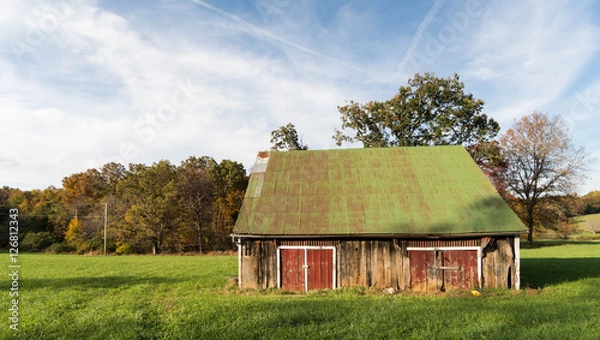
(378, 263)
(371, 263)
(259, 264)
(498, 264)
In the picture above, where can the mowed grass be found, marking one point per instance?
(185, 297)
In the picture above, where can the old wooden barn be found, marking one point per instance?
(420, 218)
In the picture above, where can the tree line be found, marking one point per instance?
(190, 207)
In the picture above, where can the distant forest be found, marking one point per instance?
(156, 208)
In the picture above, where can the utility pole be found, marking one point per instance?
(105, 222)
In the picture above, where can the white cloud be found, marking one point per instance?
(530, 55)
(231, 101)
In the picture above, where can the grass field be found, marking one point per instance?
(185, 297)
(587, 224)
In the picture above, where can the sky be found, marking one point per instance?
(84, 83)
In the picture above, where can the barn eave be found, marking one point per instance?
(387, 236)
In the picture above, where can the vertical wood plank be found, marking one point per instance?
(463, 278)
(399, 259)
(406, 267)
(393, 265)
(320, 268)
(249, 270)
(271, 265)
(418, 269)
(292, 271)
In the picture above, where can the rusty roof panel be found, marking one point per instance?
(416, 191)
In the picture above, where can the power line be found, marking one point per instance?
(42, 215)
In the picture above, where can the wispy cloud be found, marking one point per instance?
(266, 34)
(419, 33)
(237, 98)
(531, 56)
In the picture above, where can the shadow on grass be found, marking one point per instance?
(553, 243)
(542, 272)
(110, 282)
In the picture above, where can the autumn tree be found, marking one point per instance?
(154, 211)
(286, 138)
(592, 202)
(157, 207)
(491, 161)
(56, 211)
(40, 211)
(542, 161)
(4, 195)
(84, 187)
(230, 182)
(37, 208)
(4, 214)
(84, 194)
(197, 193)
(111, 174)
(429, 111)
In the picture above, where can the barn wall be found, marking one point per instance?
(372, 263)
(378, 263)
(258, 264)
(498, 263)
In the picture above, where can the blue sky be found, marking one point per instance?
(83, 83)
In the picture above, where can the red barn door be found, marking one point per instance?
(423, 276)
(443, 269)
(460, 269)
(319, 264)
(306, 269)
(292, 269)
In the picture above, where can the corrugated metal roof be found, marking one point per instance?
(437, 190)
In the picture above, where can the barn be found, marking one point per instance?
(417, 218)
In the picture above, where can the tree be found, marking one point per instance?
(230, 185)
(112, 173)
(57, 212)
(5, 193)
(429, 111)
(286, 138)
(490, 160)
(83, 194)
(542, 161)
(85, 187)
(155, 208)
(592, 202)
(197, 192)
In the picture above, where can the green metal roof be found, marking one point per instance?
(414, 191)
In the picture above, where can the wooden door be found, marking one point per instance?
(319, 266)
(442, 270)
(306, 269)
(423, 271)
(292, 269)
(460, 269)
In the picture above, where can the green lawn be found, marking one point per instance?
(586, 224)
(185, 297)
